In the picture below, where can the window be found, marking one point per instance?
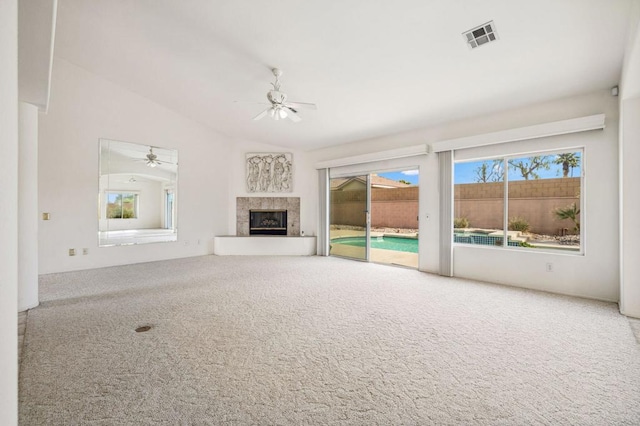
(122, 205)
(527, 201)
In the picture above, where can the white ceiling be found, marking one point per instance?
(372, 67)
(125, 160)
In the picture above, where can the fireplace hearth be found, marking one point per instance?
(267, 222)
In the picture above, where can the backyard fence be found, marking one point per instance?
(482, 204)
(390, 207)
(535, 201)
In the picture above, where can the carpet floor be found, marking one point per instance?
(312, 340)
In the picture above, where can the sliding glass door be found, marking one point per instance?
(394, 217)
(374, 217)
(349, 217)
(168, 206)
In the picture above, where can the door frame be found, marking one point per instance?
(366, 212)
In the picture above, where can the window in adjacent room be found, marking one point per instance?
(122, 205)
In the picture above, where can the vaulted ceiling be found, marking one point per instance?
(372, 67)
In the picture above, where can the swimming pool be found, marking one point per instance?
(409, 245)
(481, 238)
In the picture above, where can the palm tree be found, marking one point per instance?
(570, 212)
(568, 160)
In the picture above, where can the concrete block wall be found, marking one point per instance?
(394, 214)
(481, 203)
(390, 207)
(533, 200)
(558, 187)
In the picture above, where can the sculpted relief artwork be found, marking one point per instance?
(269, 172)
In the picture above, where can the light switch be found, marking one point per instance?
(46, 216)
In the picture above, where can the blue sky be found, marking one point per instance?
(465, 172)
(410, 176)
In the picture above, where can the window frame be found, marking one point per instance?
(505, 181)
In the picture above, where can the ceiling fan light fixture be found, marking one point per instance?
(280, 108)
(152, 159)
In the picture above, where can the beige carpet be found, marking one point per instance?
(311, 340)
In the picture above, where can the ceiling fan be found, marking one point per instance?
(151, 159)
(280, 108)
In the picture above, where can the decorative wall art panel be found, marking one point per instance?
(272, 172)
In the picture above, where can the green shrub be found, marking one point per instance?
(519, 224)
(572, 213)
(128, 214)
(525, 244)
(460, 222)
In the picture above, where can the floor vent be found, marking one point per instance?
(482, 34)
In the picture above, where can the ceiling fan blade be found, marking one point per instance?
(292, 115)
(262, 114)
(251, 102)
(301, 105)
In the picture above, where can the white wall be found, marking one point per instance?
(28, 207)
(630, 82)
(9, 212)
(85, 108)
(630, 208)
(629, 154)
(594, 275)
(150, 205)
(305, 183)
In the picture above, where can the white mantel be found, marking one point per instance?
(264, 245)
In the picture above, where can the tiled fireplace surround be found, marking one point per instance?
(290, 204)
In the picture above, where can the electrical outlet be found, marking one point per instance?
(72, 252)
(549, 267)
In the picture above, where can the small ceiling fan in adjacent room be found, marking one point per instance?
(151, 159)
(280, 108)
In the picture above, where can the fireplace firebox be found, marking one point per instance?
(267, 222)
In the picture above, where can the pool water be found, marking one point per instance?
(481, 238)
(409, 245)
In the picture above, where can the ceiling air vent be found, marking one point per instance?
(480, 35)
